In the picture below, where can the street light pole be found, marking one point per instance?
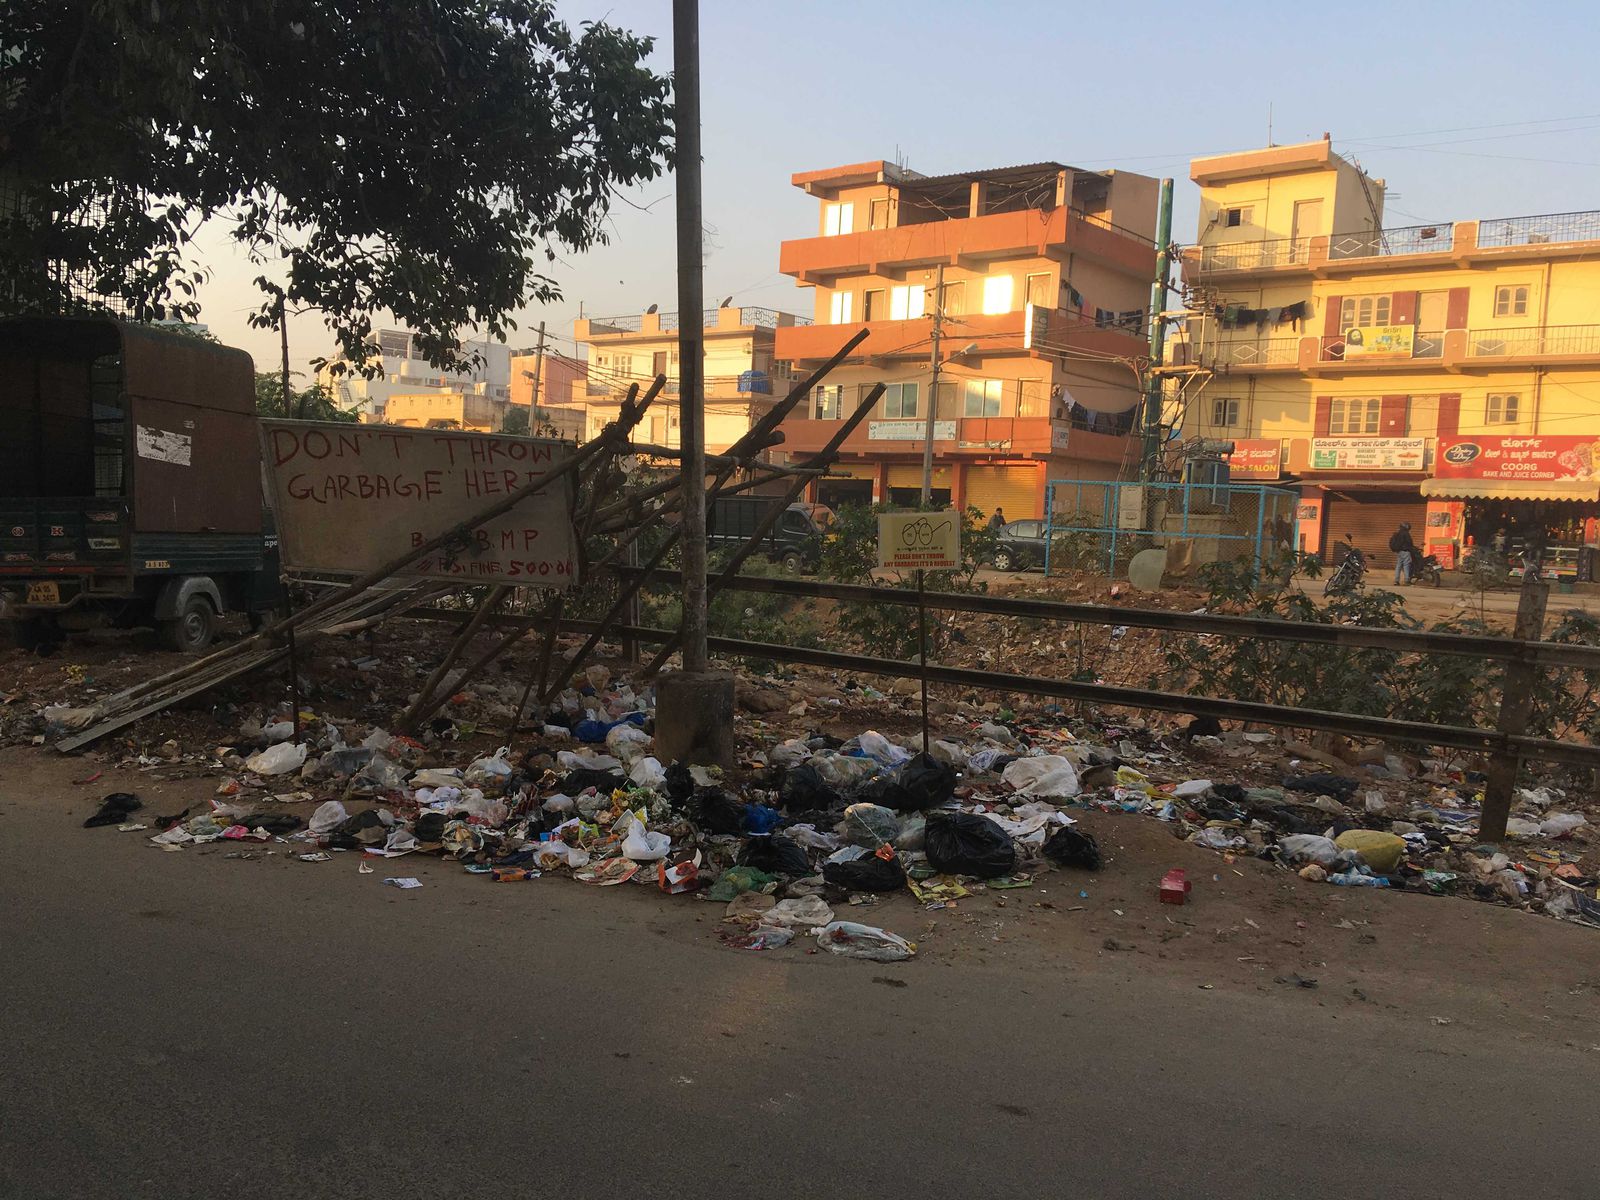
(691, 318)
(933, 390)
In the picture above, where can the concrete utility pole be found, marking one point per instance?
(933, 390)
(538, 366)
(694, 707)
(290, 408)
(1151, 457)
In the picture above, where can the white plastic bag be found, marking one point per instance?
(278, 731)
(1044, 775)
(277, 759)
(437, 777)
(864, 941)
(328, 817)
(1557, 824)
(840, 771)
(789, 754)
(569, 760)
(880, 749)
(644, 845)
(647, 773)
(1301, 848)
(491, 770)
(806, 911)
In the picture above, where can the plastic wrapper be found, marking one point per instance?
(864, 941)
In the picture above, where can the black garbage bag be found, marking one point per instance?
(1069, 847)
(429, 827)
(114, 809)
(720, 811)
(584, 778)
(886, 791)
(776, 855)
(679, 784)
(272, 822)
(926, 782)
(869, 873)
(1323, 783)
(803, 787)
(967, 844)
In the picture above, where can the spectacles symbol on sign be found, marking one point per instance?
(922, 533)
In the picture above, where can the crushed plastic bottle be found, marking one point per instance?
(1357, 879)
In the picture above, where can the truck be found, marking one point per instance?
(130, 482)
(794, 543)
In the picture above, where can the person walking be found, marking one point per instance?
(998, 520)
(1405, 550)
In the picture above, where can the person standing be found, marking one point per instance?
(998, 520)
(1405, 551)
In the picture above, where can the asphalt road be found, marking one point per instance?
(184, 1025)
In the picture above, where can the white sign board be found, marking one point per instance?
(1060, 436)
(909, 431)
(1368, 454)
(929, 541)
(162, 445)
(349, 498)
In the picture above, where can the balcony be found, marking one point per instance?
(967, 241)
(713, 319)
(1463, 243)
(1452, 349)
(1543, 342)
(995, 333)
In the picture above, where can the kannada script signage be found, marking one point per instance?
(929, 541)
(909, 431)
(1545, 457)
(1368, 454)
(1378, 341)
(1256, 458)
(349, 498)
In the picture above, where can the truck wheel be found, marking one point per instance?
(793, 562)
(36, 634)
(193, 628)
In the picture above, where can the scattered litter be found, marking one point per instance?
(403, 882)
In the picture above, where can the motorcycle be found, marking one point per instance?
(1429, 571)
(1348, 575)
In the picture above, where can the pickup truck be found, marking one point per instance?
(130, 482)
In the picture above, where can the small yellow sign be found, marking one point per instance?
(927, 541)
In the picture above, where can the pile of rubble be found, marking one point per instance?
(811, 825)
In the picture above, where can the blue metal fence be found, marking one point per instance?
(1093, 524)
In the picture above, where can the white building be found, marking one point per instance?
(405, 371)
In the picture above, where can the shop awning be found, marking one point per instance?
(1581, 490)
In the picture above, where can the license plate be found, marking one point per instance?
(44, 593)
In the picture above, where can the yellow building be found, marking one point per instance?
(447, 410)
(1443, 375)
(742, 379)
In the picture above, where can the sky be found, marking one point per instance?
(1467, 109)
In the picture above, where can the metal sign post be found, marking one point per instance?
(920, 542)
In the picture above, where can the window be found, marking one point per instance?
(837, 219)
(872, 308)
(1041, 290)
(1225, 411)
(900, 400)
(1511, 302)
(905, 303)
(1501, 409)
(840, 309)
(1364, 310)
(955, 299)
(825, 402)
(997, 294)
(1025, 529)
(1355, 415)
(982, 397)
(1233, 218)
(658, 362)
(878, 214)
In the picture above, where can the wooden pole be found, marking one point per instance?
(486, 605)
(922, 658)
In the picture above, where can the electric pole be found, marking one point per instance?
(1151, 457)
(933, 390)
(538, 376)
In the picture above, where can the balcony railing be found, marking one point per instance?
(1254, 256)
(1025, 399)
(1532, 231)
(767, 318)
(1260, 351)
(1409, 239)
(1534, 340)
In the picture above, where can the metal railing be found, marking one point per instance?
(767, 318)
(1259, 351)
(1019, 399)
(1253, 256)
(1533, 231)
(1534, 340)
(1408, 239)
(1100, 222)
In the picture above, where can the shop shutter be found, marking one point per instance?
(1392, 416)
(1324, 416)
(907, 475)
(1330, 316)
(1449, 414)
(1372, 518)
(1403, 308)
(1013, 488)
(1455, 312)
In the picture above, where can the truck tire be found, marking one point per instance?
(36, 634)
(792, 562)
(192, 630)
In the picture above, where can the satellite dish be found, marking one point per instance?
(1146, 568)
(726, 302)
(651, 309)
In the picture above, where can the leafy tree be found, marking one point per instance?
(516, 420)
(310, 404)
(421, 156)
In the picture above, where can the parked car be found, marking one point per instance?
(130, 482)
(795, 542)
(1019, 545)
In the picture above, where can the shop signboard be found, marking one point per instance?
(1545, 457)
(909, 431)
(1256, 458)
(1378, 341)
(1368, 454)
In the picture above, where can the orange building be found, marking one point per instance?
(1046, 274)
